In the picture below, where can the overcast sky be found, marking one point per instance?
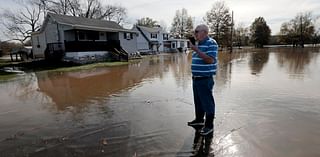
(275, 12)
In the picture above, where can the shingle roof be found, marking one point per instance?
(150, 30)
(85, 23)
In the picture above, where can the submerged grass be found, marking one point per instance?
(4, 62)
(45, 66)
(6, 76)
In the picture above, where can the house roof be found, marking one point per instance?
(151, 29)
(88, 24)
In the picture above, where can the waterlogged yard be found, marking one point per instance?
(267, 104)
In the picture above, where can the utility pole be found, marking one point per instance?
(301, 31)
(231, 32)
(181, 26)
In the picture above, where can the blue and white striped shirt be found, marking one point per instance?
(198, 67)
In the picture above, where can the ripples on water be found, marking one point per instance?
(267, 105)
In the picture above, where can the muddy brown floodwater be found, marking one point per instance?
(267, 104)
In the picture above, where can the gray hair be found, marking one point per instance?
(203, 27)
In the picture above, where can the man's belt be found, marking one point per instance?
(200, 77)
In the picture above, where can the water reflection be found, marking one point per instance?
(202, 144)
(258, 60)
(226, 65)
(82, 87)
(295, 61)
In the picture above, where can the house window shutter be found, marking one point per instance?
(131, 35)
(124, 35)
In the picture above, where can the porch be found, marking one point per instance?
(78, 46)
(86, 51)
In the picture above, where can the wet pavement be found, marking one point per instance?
(267, 104)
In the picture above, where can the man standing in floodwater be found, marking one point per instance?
(204, 66)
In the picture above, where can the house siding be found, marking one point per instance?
(142, 43)
(38, 45)
(129, 45)
(51, 32)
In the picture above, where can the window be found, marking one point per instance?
(128, 36)
(165, 36)
(93, 35)
(154, 36)
(173, 45)
(88, 35)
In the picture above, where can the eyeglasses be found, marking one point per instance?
(197, 31)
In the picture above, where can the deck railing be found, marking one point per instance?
(78, 46)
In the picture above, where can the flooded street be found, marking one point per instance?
(267, 104)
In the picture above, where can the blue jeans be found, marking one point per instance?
(203, 99)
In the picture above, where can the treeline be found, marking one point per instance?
(297, 32)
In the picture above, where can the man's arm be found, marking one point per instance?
(206, 58)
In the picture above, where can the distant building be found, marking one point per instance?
(180, 45)
(82, 40)
(150, 39)
(156, 39)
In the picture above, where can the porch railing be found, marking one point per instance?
(76, 46)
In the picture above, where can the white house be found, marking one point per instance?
(178, 44)
(156, 39)
(82, 39)
(151, 39)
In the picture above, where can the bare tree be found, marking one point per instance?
(92, 9)
(219, 22)
(182, 25)
(63, 7)
(163, 25)
(114, 13)
(19, 25)
(84, 8)
(299, 30)
(241, 35)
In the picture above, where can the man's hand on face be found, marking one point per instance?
(193, 47)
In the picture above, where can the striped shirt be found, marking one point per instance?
(198, 67)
